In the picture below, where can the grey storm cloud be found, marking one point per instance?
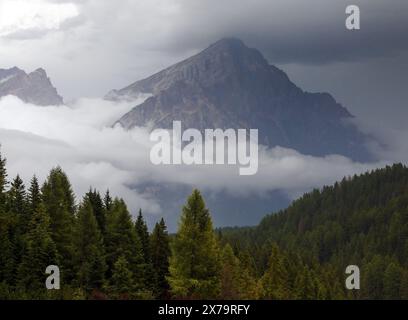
(109, 44)
(112, 43)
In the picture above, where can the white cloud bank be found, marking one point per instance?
(80, 138)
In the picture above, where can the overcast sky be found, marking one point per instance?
(89, 47)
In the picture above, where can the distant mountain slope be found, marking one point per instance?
(34, 87)
(360, 221)
(229, 85)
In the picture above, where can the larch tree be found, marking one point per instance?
(195, 260)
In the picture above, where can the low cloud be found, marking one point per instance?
(80, 138)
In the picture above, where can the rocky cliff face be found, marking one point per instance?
(34, 87)
(229, 85)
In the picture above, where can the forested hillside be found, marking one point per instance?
(300, 253)
(362, 220)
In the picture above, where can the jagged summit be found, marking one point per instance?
(229, 85)
(34, 87)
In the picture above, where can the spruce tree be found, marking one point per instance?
(17, 199)
(107, 201)
(143, 234)
(7, 261)
(18, 213)
(34, 195)
(160, 253)
(89, 250)
(122, 240)
(3, 183)
(195, 260)
(98, 209)
(39, 253)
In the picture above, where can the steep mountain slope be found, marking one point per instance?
(34, 87)
(229, 85)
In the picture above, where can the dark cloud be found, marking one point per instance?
(113, 43)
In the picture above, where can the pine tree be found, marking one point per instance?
(89, 250)
(160, 253)
(122, 240)
(40, 252)
(195, 260)
(59, 203)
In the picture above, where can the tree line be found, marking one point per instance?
(361, 220)
(298, 253)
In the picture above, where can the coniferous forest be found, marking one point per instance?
(299, 253)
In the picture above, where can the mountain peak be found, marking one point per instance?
(229, 43)
(35, 87)
(229, 85)
(41, 72)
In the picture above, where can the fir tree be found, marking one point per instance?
(195, 260)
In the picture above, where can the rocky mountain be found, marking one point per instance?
(34, 87)
(229, 85)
